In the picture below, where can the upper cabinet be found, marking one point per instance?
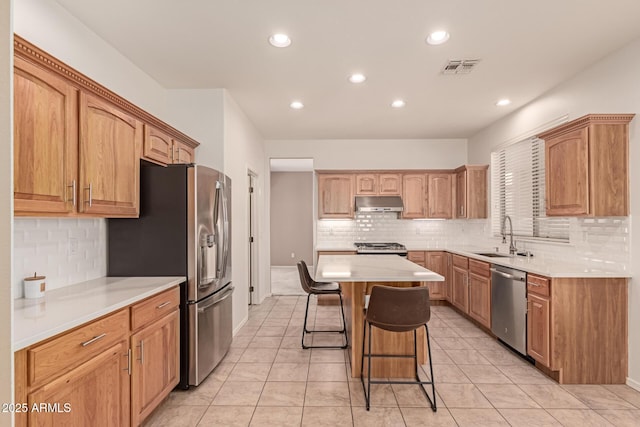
(45, 162)
(471, 192)
(160, 147)
(382, 184)
(77, 145)
(587, 166)
(414, 190)
(440, 195)
(336, 195)
(110, 143)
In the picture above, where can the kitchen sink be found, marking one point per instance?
(492, 254)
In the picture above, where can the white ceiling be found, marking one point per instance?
(526, 48)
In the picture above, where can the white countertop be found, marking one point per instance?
(535, 265)
(65, 308)
(371, 268)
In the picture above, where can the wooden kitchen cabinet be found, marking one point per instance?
(538, 329)
(45, 161)
(159, 147)
(336, 194)
(109, 175)
(155, 369)
(440, 195)
(155, 352)
(460, 283)
(587, 166)
(437, 261)
(480, 292)
(97, 393)
(448, 277)
(471, 191)
(378, 184)
(414, 189)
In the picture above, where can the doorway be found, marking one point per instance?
(291, 222)
(253, 233)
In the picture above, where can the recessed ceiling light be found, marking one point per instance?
(398, 103)
(280, 40)
(357, 78)
(503, 102)
(438, 37)
(296, 105)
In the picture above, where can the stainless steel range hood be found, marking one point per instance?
(379, 204)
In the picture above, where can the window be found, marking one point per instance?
(517, 188)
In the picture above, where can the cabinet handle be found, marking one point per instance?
(92, 340)
(128, 368)
(141, 345)
(164, 304)
(90, 188)
(462, 210)
(73, 189)
(533, 284)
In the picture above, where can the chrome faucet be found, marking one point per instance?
(512, 248)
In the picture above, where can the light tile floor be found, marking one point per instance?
(266, 379)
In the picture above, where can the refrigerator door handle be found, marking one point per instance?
(220, 233)
(225, 243)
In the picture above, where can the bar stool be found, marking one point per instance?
(398, 310)
(311, 287)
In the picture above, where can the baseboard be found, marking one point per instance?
(633, 384)
(236, 330)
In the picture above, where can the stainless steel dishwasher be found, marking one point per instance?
(509, 306)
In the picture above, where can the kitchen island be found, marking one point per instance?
(357, 274)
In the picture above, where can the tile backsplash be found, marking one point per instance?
(600, 242)
(66, 250)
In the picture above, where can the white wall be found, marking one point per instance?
(609, 86)
(50, 27)
(6, 206)
(199, 114)
(374, 153)
(244, 151)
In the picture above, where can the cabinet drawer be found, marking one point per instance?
(479, 267)
(460, 261)
(538, 285)
(153, 308)
(61, 354)
(416, 256)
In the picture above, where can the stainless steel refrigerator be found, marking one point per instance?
(184, 229)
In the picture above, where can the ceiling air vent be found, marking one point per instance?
(460, 66)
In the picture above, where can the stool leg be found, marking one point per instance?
(344, 324)
(364, 336)
(369, 371)
(433, 381)
(304, 327)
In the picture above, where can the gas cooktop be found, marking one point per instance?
(380, 248)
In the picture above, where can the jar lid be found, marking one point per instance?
(34, 278)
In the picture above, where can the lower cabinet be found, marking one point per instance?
(99, 374)
(435, 261)
(94, 394)
(460, 283)
(538, 329)
(480, 292)
(155, 370)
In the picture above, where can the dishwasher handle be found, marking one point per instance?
(507, 275)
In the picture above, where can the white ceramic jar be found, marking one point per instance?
(34, 286)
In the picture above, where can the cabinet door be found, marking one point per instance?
(366, 184)
(480, 299)
(336, 192)
(460, 291)
(437, 261)
(567, 174)
(157, 146)
(413, 195)
(109, 159)
(461, 194)
(182, 153)
(45, 159)
(390, 184)
(156, 362)
(448, 278)
(97, 393)
(538, 333)
(439, 195)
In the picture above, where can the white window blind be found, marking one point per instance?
(517, 188)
